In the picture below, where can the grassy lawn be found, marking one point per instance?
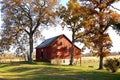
(46, 71)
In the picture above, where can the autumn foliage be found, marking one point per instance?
(72, 18)
(25, 17)
(100, 18)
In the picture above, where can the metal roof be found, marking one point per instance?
(47, 42)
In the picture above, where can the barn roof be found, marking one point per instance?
(47, 42)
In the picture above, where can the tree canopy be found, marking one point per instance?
(21, 16)
(99, 19)
(72, 17)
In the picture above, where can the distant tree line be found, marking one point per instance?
(111, 54)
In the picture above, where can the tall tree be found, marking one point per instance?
(71, 17)
(96, 24)
(27, 16)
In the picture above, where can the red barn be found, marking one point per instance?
(57, 50)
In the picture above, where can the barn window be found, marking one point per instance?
(63, 61)
(42, 55)
(41, 50)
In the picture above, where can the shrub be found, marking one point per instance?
(112, 64)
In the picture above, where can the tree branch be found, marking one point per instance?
(115, 8)
(26, 31)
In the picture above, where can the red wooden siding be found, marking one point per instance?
(60, 48)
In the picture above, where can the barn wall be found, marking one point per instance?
(65, 61)
(46, 53)
(38, 54)
(60, 49)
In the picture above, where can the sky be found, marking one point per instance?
(63, 2)
(55, 31)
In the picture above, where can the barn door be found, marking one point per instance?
(42, 54)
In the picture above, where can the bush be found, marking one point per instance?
(112, 64)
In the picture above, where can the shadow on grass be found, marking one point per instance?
(4, 65)
(99, 75)
(49, 73)
(46, 71)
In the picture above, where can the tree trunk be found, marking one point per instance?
(30, 60)
(101, 62)
(72, 50)
(101, 59)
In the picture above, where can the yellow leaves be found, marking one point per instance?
(87, 42)
(28, 1)
(17, 1)
(70, 5)
(18, 29)
(79, 34)
(74, 6)
(11, 39)
(101, 6)
(19, 17)
(98, 41)
(7, 3)
(88, 24)
(63, 24)
(74, 1)
(52, 2)
(71, 15)
(115, 16)
(102, 40)
(106, 52)
(106, 41)
(36, 9)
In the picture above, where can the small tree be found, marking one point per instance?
(112, 64)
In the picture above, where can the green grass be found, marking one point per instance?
(46, 71)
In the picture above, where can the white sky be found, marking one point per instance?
(54, 31)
